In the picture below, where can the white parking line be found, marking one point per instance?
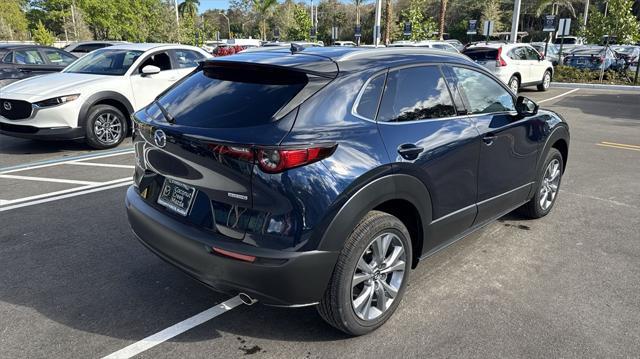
(65, 162)
(100, 165)
(68, 193)
(556, 97)
(175, 330)
(53, 180)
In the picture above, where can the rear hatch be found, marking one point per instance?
(585, 58)
(196, 144)
(485, 56)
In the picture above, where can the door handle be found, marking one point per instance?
(488, 139)
(409, 151)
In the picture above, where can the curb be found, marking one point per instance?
(596, 86)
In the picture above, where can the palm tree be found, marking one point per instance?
(443, 11)
(387, 22)
(263, 8)
(189, 7)
(555, 6)
(357, 3)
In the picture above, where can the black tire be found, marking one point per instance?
(336, 305)
(544, 86)
(533, 208)
(514, 83)
(93, 138)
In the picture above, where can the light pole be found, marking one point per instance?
(376, 29)
(515, 21)
(586, 11)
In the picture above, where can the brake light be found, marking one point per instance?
(274, 159)
(277, 160)
(499, 60)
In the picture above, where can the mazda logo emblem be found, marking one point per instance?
(7, 106)
(160, 138)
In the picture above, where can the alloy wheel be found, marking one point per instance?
(514, 85)
(108, 128)
(550, 184)
(546, 82)
(378, 276)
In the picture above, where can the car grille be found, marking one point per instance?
(15, 109)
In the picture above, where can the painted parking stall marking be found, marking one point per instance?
(620, 146)
(175, 330)
(109, 176)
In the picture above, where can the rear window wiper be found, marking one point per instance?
(165, 113)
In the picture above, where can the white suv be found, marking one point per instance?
(517, 65)
(95, 96)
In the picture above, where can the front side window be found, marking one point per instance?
(368, 104)
(416, 93)
(27, 57)
(187, 58)
(532, 54)
(105, 62)
(160, 60)
(483, 93)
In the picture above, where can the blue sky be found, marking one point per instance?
(213, 4)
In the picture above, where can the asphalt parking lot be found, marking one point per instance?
(75, 284)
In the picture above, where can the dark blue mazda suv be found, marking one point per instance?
(322, 176)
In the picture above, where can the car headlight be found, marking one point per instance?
(57, 101)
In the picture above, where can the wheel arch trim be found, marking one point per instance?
(375, 193)
(102, 96)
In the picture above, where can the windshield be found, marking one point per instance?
(627, 50)
(105, 62)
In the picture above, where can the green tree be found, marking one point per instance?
(13, 22)
(189, 7)
(422, 27)
(301, 25)
(43, 36)
(620, 22)
(492, 11)
(263, 9)
(555, 6)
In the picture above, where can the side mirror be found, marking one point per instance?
(526, 107)
(150, 70)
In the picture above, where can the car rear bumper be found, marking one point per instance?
(276, 277)
(32, 132)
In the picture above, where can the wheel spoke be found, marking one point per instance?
(399, 265)
(391, 291)
(359, 278)
(394, 256)
(361, 301)
(381, 298)
(378, 250)
(364, 266)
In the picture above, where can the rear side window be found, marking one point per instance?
(415, 93)
(368, 104)
(482, 54)
(58, 57)
(227, 97)
(187, 58)
(483, 93)
(28, 57)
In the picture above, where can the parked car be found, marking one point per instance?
(457, 44)
(94, 97)
(628, 53)
(552, 54)
(569, 43)
(287, 44)
(518, 65)
(593, 58)
(440, 45)
(345, 43)
(349, 168)
(82, 48)
(21, 61)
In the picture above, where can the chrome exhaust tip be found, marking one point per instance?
(246, 299)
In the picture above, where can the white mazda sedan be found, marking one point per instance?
(94, 97)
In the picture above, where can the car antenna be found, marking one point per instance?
(296, 48)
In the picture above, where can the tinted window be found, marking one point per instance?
(105, 62)
(368, 104)
(415, 93)
(8, 58)
(531, 53)
(27, 57)
(518, 53)
(567, 41)
(89, 47)
(218, 97)
(58, 57)
(481, 54)
(483, 93)
(187, 58)
(160, 60)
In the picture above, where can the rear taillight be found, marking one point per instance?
(499, 60)
(274, 159)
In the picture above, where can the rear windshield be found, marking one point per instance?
(567, 41)
(224, 97)
(483, 54)
(588, 51)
